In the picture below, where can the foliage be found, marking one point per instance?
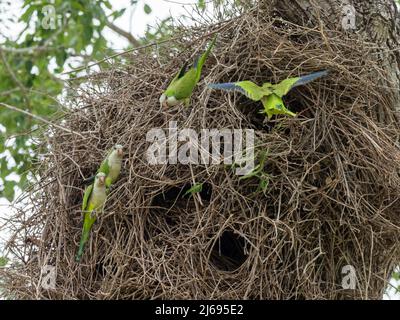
(196, 188)
(3, 261)
(259, 172)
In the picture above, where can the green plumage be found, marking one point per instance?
(182, 85)
(269, 94)
(93, 200)
(111, 165)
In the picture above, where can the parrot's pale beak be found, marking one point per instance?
(120, 152)
(102, 180)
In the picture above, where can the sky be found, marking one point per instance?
(134, 21)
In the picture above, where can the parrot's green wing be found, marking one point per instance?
(182, 87)
(283, 87)
(248, 88)
(180, 74)
(104, 166)
(286, 85)
(86, 196)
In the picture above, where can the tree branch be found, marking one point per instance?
(40, 119)
(14, 77)
(132, 40)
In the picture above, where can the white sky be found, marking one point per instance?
(135, 21)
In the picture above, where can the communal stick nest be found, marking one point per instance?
(333, 171)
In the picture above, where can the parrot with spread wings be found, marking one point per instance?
(270, 95)
(182, 85)
(93, 200)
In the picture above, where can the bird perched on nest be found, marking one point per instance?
(269, 94)
(93, 200)
(182, 85)
(111, 165)
(96, 194)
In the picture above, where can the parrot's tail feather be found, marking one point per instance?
(228, 86)
(310, 77)
(200, 60)
(80, 251)
(82, 243)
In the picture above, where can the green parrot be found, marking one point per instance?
(182, 85)
(111, 165)
(93, 200)
(269, 94)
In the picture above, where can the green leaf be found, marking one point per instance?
(201, 4)
(3, 261)
(118, 13)
(8, 191)
(252, 173)
(26, 16)
(108, 5)
(147, 9)
(264, 182)
(194, 189)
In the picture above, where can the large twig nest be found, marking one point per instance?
(332, 199)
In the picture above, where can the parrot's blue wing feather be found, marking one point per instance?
(310, 77)
(196, 61)
(228, 86)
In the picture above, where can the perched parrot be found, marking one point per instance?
(111, 165)
(269, 94)
(182, 85)
(93, 200)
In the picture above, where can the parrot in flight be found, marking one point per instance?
(111, 165)
(94, 198)
(269, 94)
(182, 85)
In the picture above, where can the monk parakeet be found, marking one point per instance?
(269, 94)
(111, 165)
(182, 85)
(93, 201)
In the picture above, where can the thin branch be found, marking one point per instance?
(15, 78)
(11, 72)
(7, 92)
(40, 119)
(26, 50)
(132, 40)
(135, 49)
(41, 48)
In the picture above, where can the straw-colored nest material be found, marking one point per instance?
(332, 199)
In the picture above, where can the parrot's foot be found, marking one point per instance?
(109, 189)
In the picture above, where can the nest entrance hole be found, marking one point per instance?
(228, 252)
(179, 193)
